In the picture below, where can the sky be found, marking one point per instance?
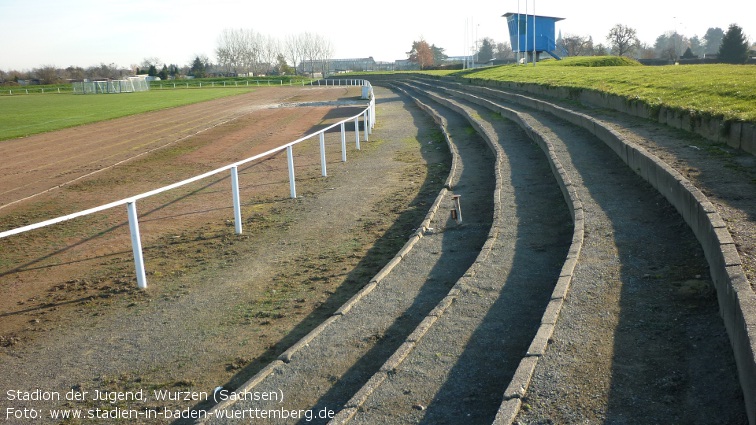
(91, 32)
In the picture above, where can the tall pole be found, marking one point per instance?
(517, 57)
(472, 35)
(535, 54)
(476, 45)
(526, 31)
(464, 46)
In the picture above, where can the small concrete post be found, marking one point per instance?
(343, 142)
(237, 202)
(457, 211)
(290, 160)
(136, 245)
(323, 171)
(365, 122)
(357, 132)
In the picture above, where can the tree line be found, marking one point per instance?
(728, 47)
(245, 52)
(238, 52)
(731, 46)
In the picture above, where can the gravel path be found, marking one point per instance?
(459, 369)
(639, 339)
(347, 352)
(438, 338)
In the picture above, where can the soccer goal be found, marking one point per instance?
(128, 85)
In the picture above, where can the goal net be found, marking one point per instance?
(128, 85)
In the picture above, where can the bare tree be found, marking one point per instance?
(48, 74)
(670, 45)
(316, 52)
(237, 50)
(600, 50)
(503, 51)
(623, 39)
(646, 51)
(325, 52)
(577, 45)
(106, 72)
(294, 49)
(271, 49)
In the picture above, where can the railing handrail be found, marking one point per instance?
(368, 115)
(134, 198)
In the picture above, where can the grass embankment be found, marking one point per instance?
(26, 115)
(726, 91)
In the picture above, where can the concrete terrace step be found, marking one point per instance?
(456, 326)
(630, 229)
(459, 369)
(326, 368)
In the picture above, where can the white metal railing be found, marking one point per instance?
(368, 118)
(192, 84)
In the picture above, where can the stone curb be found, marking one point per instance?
(737, 300)
(523, 375)
(287, 356)
(739, 135)
(354, 404)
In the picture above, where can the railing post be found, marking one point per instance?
(323, 171)
(290, 160)
(343, 142)
(365, 122)
(237, 203)
(357, 132)
(136, 245)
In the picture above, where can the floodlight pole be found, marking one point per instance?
(526, 32)
(534, 35)
(518, 32)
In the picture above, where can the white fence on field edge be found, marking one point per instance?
(368, 118)
(91, 87)
(255, 83)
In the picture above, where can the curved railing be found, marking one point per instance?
(368, 117)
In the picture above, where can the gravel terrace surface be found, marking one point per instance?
(338, 362)
(461, 366)
(241, 303)
(639, 339)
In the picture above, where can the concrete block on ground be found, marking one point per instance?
(287, 355)
(520, 382)
(734, 135)
(344, 309)
(422, 329)
(344, 416)
(361, 396)
(507, 412)
(568, 267)
(562, 288)
(540, 342)
(650, 167)
(387, 269)
(398, 357)
(748, 138)
(551, 314)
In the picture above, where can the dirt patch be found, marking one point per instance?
(80, 259)
(219, 306)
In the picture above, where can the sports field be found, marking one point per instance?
(24, 115)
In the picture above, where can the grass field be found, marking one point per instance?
(26, 115)
(726, 91)
(715, 90)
